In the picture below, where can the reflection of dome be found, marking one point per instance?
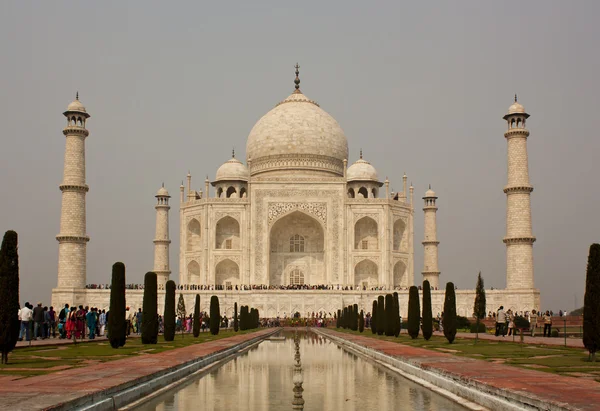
(162, 192)
(297, 134)
(233, 169)
(361, 170)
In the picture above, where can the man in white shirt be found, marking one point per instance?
(102, 321)
(26, 317)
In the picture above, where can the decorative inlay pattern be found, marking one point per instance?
(358, 258)
(262, 226)
(221, 257)
(374, 216)
(220, 214)
(318, 210)
(291, 161)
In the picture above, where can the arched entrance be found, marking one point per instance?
(297, 242)
(227, 274)
(400, 277)
(365, 274)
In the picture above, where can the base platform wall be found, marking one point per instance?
(282, 303)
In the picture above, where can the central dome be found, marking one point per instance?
(297, 135)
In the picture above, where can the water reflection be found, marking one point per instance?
(334, 379)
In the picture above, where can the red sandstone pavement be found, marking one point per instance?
(571, 342)
(43, 391)
(579, 393)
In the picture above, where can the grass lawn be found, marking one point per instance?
(559, 360)
(46, 359)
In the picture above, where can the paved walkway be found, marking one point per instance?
(43, 391)
(576, 393)
(571, 342)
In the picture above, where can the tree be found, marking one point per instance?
(244, 317)
(361, 321)
(374, 317)
(236, 325)
(479, 307)
(181, 312)
(117, 325)
(390, 321)
(591, 303)
(9, 294)
(337, 320)
(380, 315)
(169, 317)
(150, 310)
(345, 318)
(355, 318)
(215, 315)
(414, 312)
(427, 326)
(396, 315)
(449, 321)
(197, 317)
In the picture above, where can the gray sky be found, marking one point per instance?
(420, 86)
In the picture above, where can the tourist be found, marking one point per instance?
(91, 320)
(26, 317)
(138, 321)
(51, 321)
(533, 322)
(127, 321)
(71, 325)
(80, 323)
(102, 322)
(547, 324)
(500, 321)
(511, 322)
(38, 322)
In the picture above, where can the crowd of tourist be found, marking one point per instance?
(506, 321)
(262, 287)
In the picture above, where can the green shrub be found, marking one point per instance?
(414, 312)
(150, 310)
(361, 322)
(355, 317)
(196, 328)
(390, 320)
(427, 314)
(236, 324)
(521, 322)
(396, 315)
(215, 315)
(169, 317)
(474, 330)
(380, 315)
(554, 333)
(9, 294)
(374, 318)
(591, 303)
(449, 322)
(117, 325)
(462, 322)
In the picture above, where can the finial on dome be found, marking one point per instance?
(361, 153)
(163, 184)
(233, 152)
(515, 97)
(430, 186)
(297, 80)
(77, 95)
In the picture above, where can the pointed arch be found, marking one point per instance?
(227, 234)
(399, 228)
(243, 193)
(366, 234)
(297, 240)
(366, 274)
(227, 273)
(351, 193)
(363, 192)
(400, 275)
(193, 235)
(219, 192)
(193, 271)
(231, 192)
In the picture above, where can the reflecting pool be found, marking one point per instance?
(334, 379)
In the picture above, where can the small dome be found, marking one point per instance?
(430, 193)
(76, 106)
(361, 170)
(516, 108)
(233, 169)
(162, 192)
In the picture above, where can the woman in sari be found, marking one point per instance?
(80, 322)
(71, 325)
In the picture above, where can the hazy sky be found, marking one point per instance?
(420, 86)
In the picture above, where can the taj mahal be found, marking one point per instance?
(298, 226)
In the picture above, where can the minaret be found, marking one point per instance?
(72, 240)
(161, 240)
(431, 271)
(519, 239)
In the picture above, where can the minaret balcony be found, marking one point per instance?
(74, 187)
(521, 189)
(75, 130)
(519, 240)
(517, 132)
(73, 239)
